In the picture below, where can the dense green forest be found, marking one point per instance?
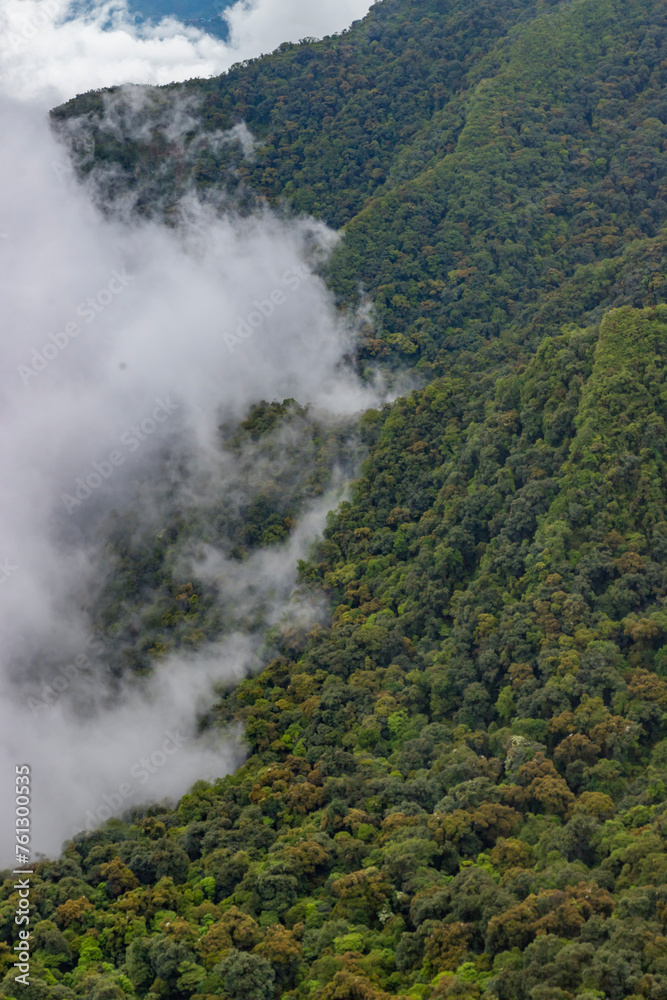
(456, 785)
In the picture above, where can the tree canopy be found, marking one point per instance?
(456, 784)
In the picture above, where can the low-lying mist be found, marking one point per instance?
(125, 346)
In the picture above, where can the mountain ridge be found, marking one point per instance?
(456, 781)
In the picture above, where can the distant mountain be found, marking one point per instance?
(204, 14)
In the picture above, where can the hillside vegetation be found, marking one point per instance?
(456, 786)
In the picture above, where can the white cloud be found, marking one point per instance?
(47, 58)
(101, 319)
(262, 25)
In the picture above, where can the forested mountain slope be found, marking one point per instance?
(457, 785)
(476, 153)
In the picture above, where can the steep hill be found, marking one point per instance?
(456, 786)
(478, 156)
